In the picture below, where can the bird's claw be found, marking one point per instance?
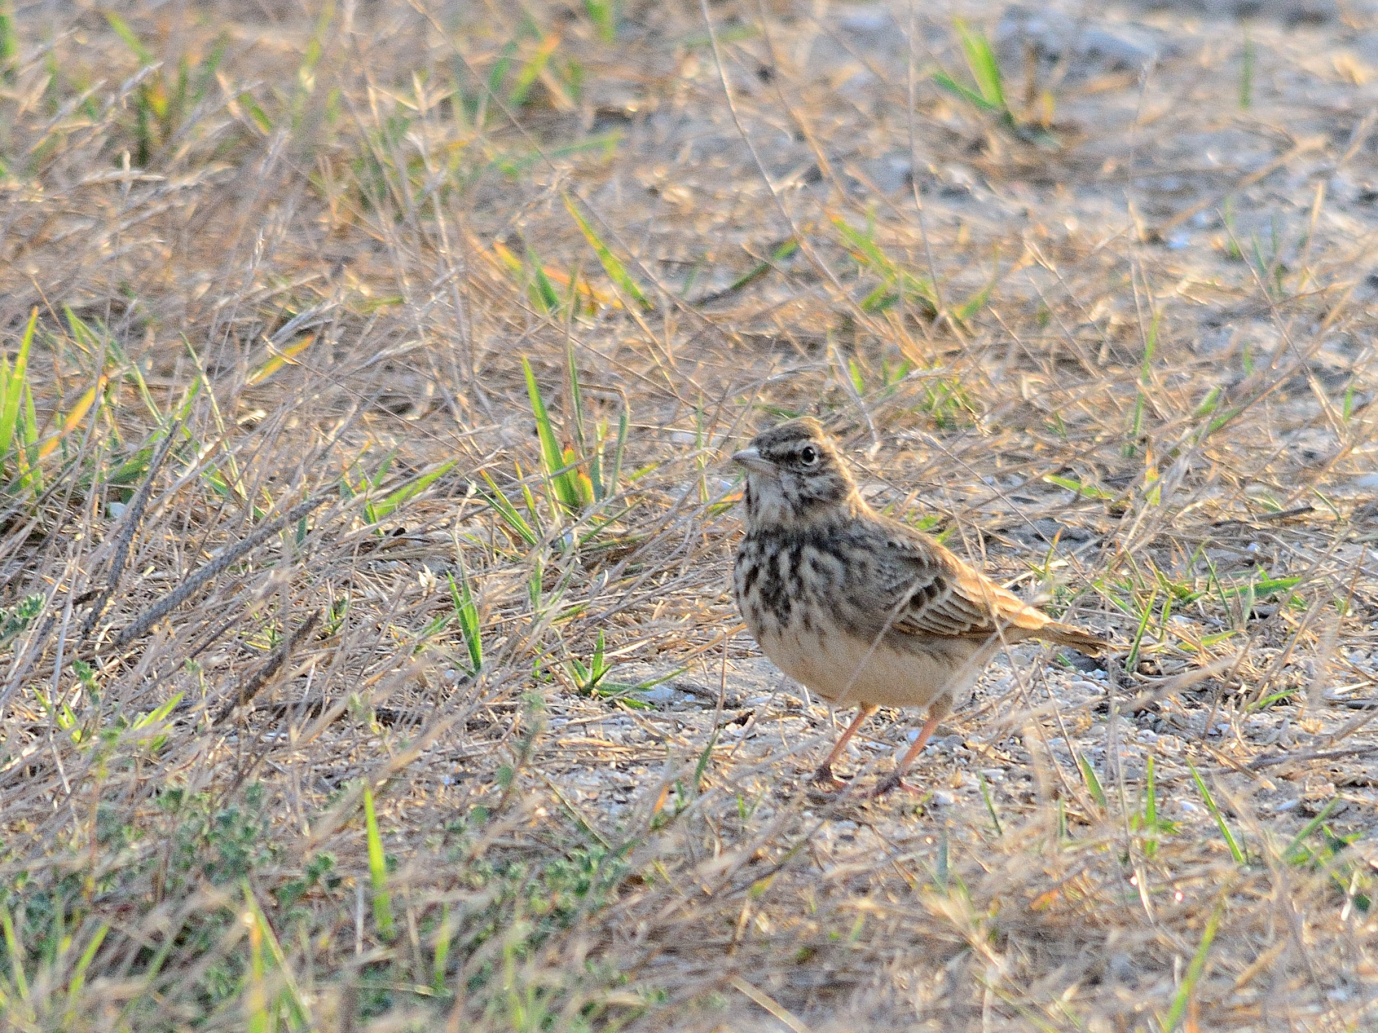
(890, 784)
(825, 779)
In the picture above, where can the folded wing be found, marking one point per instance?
(929, 591)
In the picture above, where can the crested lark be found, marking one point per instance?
(862, 609)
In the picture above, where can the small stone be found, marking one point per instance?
(659, 695)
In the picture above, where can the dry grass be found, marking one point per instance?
(274, 486)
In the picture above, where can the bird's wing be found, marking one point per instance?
(932, 592)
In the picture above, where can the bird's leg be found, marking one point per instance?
(824, 775)
(896, 780)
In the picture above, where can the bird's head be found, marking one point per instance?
(795, 475)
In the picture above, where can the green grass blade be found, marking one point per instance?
(500, 67)
(256, 993)
(467, 613)
(16, 952)
(78, 980)
(576, 401)
(1090, 491)
(975, 303)
(9, 41)
(1311, 826)
(388, 505)
(125, 33)
(950, 84)
(1088, 774)
(563, 481)
(377, 870)
(896, 282)
(1151, 797)
(612, 265)
(12, 385)
(1131, 662)
(531, 71)
(1194, 970)
(603, 14)
(990, 805)
(618, 453)
(1235, 851)
(158, 715)
(985, 69)
(866, 249)
(543, 293)
(443, 934)
(296, 1004)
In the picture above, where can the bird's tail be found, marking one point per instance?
(1066, 635)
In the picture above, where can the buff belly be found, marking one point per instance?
(848, 671)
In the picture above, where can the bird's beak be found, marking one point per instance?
(752, 460)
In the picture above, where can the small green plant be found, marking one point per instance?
(897, 285)
(1131, 663)
(990, 96)
(1349, 875)
(587, 676)
(779, 253)
(1135, 431)
(265, 954)
(147, 733)
(590, 678)
(220, 842)
(164, 102)
(891, 376)
(13, 620)
(580, 477)
(377, 510)
(1232, 251)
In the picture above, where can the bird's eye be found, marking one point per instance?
(808, 455)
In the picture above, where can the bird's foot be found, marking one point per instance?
(890, 784)
(824, 778)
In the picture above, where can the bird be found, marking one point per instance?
(864, 610)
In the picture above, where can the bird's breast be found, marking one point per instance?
(800, 600)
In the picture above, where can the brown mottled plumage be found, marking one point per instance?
(863, 609)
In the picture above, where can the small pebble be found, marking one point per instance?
(659, 695)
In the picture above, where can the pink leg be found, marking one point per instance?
(896, 781)
(824, 774)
